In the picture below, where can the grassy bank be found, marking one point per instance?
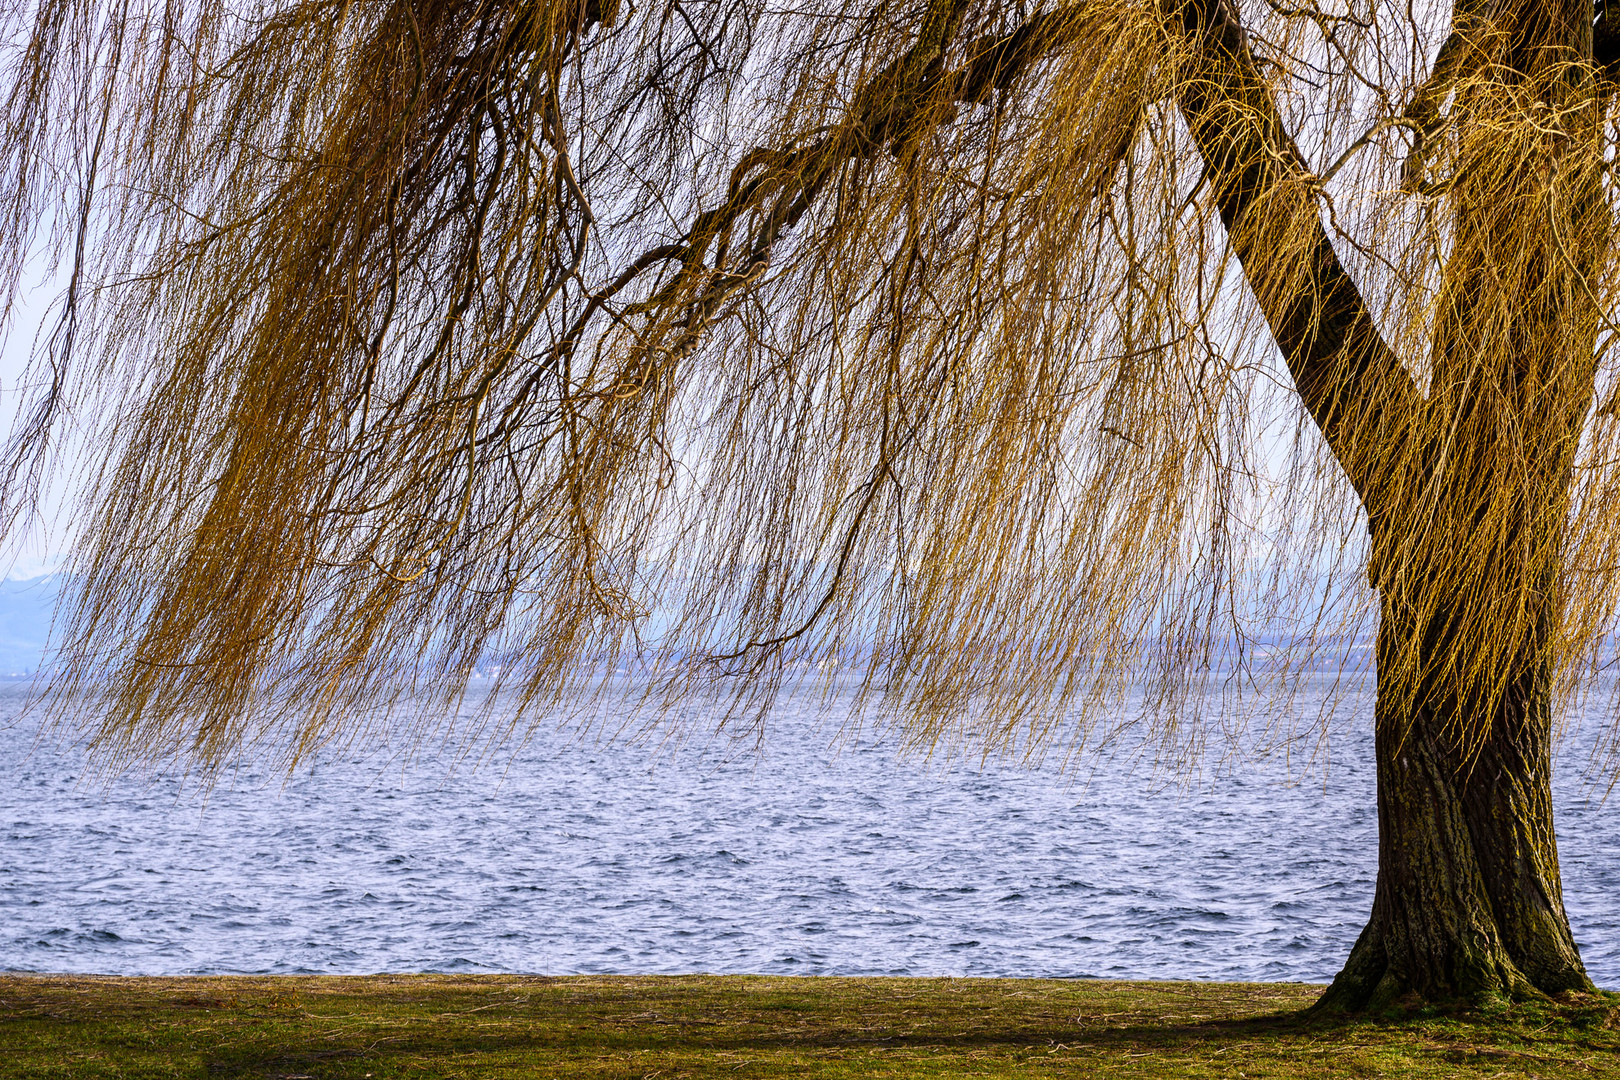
(705, 1026)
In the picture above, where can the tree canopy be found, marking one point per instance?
(976, 344)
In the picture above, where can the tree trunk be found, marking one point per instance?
(1469, 905)
(1466, 480)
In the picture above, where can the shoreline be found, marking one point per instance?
(619, 1026)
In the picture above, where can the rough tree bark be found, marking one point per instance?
(1469, 904)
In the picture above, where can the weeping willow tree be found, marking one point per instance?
(1033, 359)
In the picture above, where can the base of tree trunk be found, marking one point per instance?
(1469, 904)
(1389, 968)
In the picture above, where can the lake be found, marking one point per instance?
(574, 854)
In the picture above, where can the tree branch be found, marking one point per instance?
(890, 112)
(1351, 382)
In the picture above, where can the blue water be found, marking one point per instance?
(578, 855)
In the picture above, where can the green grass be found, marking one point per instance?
(710, 1026)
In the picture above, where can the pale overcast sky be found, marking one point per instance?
(38, 553)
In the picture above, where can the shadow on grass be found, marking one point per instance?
(776, 1044)
(675, 1040)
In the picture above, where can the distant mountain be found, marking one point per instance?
(25, 623)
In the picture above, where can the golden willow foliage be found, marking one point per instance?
(724, 337)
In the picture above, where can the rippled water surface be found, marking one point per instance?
(578, 856)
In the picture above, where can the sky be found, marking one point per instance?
(39, 552)
(26, 600)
